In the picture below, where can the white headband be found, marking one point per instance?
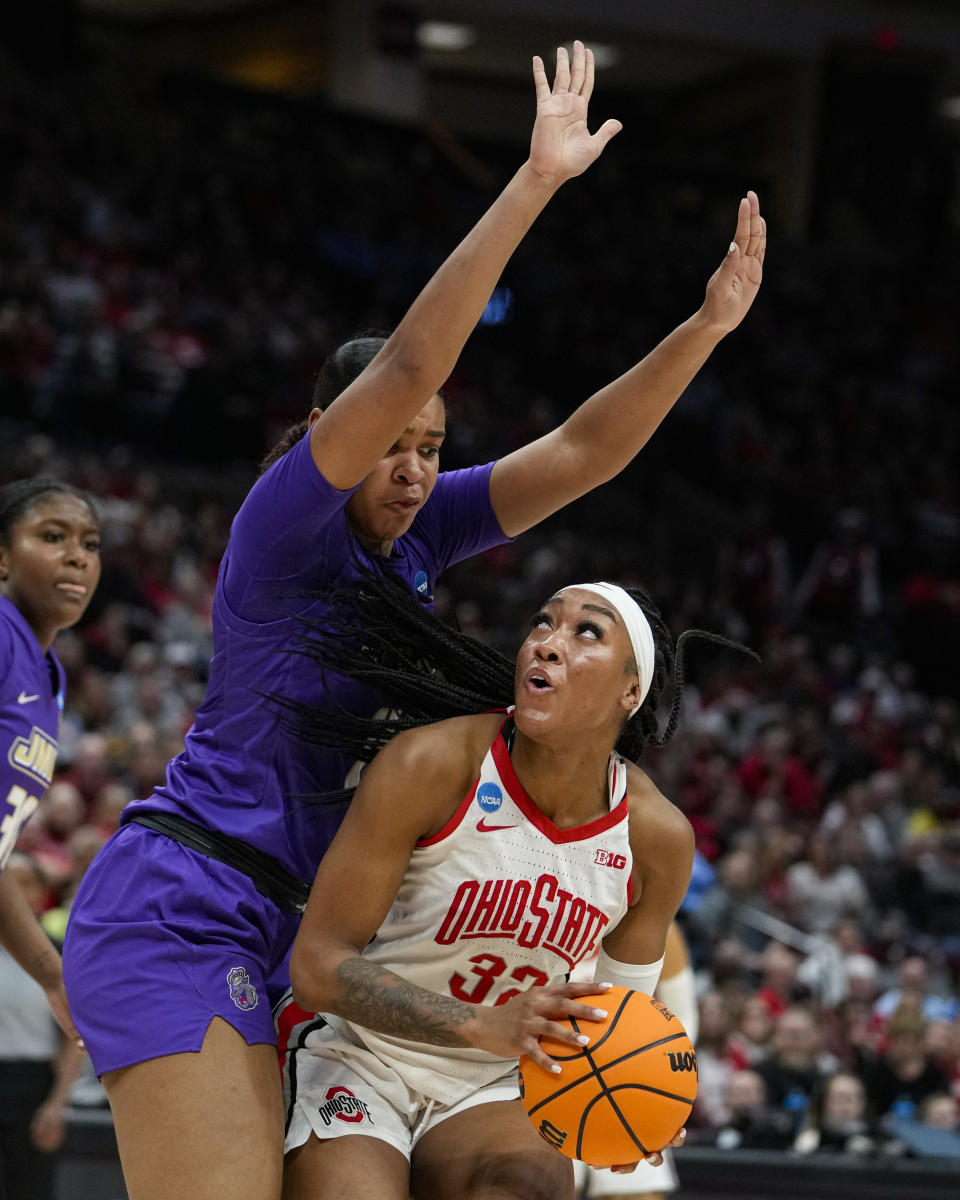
(638, 629)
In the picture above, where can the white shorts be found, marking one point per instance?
(642, 1181)
(335, 1089)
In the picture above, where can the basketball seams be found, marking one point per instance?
(606, 1095)
(583, 1122)
(605, 1089)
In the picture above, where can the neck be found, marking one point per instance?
(372, 545)
(568, 783)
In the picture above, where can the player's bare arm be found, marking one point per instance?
(610, 428)
(356, 431)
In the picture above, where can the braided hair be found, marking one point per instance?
(425, 670)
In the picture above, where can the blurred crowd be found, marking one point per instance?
(177, 259)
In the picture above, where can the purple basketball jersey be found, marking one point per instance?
(31, 698)
(242, 771)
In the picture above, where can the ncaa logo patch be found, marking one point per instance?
(489, 797)
(422, 585)
(242, 992)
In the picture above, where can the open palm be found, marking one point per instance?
(561, 145)
(735, 283)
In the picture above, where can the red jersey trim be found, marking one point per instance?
(289, 1017)
(501, 758)
(454, 821)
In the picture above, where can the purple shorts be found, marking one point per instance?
(161, 940)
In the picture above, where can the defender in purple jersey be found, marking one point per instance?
(191, 908)
(49, 569)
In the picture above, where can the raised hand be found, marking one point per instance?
(516, 1027)
(561, 145)
(734, 285)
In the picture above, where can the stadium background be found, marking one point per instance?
(201, 199)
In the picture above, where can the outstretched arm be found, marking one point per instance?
(356, 431)
(602, 436)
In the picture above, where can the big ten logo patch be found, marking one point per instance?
(605, 859)
(489, 797)
(340, 1104)
(686, 1061)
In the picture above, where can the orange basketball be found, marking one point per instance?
(623, 1096)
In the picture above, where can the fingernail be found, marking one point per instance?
(733, 246)
(599, 1013)
(555, 1068)
(605, 985)
(583, 1039)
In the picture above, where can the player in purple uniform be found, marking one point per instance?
(192, 906)
(49, 569)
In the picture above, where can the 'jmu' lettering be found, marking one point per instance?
(36, 756)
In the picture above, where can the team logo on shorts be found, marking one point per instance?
(242, 992)
(489, 797)
(342, 1105)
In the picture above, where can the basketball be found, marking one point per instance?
(624, 1095)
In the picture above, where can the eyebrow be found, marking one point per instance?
(597, 608)
(430, 433)
(66, 524)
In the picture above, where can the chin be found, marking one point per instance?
(534, 722)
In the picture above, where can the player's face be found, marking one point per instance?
(575, 670)
(385, 504)
(51, 567)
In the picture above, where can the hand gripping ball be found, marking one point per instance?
(624, 1095)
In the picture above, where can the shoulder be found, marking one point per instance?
(11, 632)
(440, 760)
(659, 831)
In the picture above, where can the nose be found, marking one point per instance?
(546, 649)
(76, 554)
(408, 468)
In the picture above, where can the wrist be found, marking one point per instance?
(541, 184)
(703, 325)
(472, 1030)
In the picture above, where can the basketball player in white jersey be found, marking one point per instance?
(482, 858)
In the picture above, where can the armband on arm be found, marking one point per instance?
(639, 977)
(679, 994)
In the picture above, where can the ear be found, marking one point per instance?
(314, 417)
(631, 696)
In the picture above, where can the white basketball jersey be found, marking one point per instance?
(500, 900)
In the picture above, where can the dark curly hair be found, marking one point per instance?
(425, 670)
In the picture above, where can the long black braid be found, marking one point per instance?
(377, 632)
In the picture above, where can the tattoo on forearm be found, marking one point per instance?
(381, 1001)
